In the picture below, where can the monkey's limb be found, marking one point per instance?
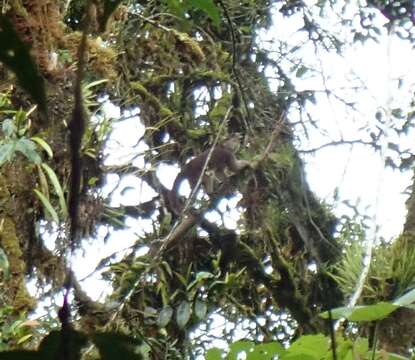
(176, 234)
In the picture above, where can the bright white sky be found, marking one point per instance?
(356, 170)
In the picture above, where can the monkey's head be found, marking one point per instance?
(233, 142)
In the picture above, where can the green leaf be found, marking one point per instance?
(162, 289)
(4, 264)
(266, 351)
(167, 268)
(6, 152)
(92, 181)
(299, 356)
(397, 113)
(165, 316)
(47, 205)
(43, 182)
(363, 313)
(58, 188)
(144, 350)
(301, 71)
(372, 312)
(308, 347)
(238, 347)
(8, 127)
(200, 276)
(214, 354)
(344, 348)
(405, 300)
(116, 346)
(89, 86)
(209, 7)
(24, 338)
(200, 309)
(183, 313)
(361, 346)
(176, 7)
(181, 278)
(14, 53)
(28, 148)
(392, 356)
(20, 118)
(44, 145)
(337, 313)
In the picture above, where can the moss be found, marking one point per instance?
(4, 194)
(211, 75)
(20, 9)
(151, 99)
(18, 296)
(189, 46)
(101, 59)
(221, 108)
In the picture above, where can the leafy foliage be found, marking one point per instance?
(252, 252)
(307, 347)
(207, 6)
(390, 261)
(373, 312)
(14, 142)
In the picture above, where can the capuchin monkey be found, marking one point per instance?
(222, 158)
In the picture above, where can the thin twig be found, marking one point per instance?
(335, 143)
(277, 129)
(310, 217)
(234, 70)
